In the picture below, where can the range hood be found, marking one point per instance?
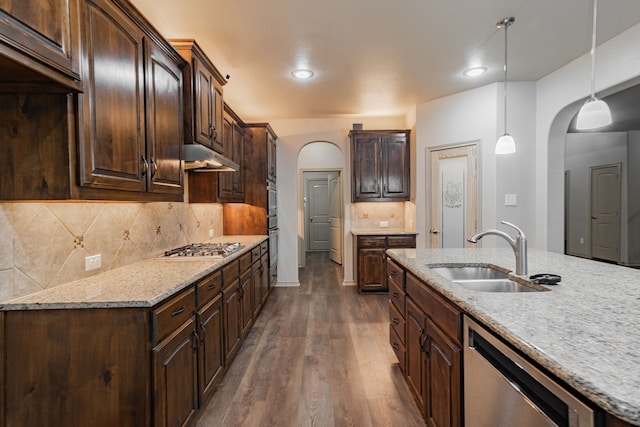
(199, 158)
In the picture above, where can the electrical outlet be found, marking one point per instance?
(92, 262)
(211, 232)
(384, 224)
(511, 200)
(582, 240)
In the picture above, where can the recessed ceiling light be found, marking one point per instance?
(475, 71)
(302, 73)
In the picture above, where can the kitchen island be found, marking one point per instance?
(584, 330)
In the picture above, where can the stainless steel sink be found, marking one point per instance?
(483, 278)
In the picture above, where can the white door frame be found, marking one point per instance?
(428, 160)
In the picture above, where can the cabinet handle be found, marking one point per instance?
(395, 346)
(178, 311)
(204, 332)
(211, 287)
(144, 165)
(215, 133)
(423, 342)
(395, 295)
(395, 321)
(195, 344)
(393, 273)
(154, 168)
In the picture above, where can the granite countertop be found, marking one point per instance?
(381, 231)
(585, 330)
(142, 284)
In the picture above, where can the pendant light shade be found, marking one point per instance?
(595, 112)
(505, 144)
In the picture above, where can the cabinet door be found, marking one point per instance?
(365, 150)
(226, 179)
(246, 301)
(211, 351)
(256, 285)
(372, 271)
(443, 389)
(265, 278)
(204, 104)
(271, 157)
(232, 321)
(415, 335)
(218, 112)
(395, 166)
(237, 154)
(46, 31)
(175, 380)
(165, 132)
(112, 153)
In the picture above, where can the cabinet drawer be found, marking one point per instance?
(398, 348)
(264, 247)
(209, 287)
(255, 254)
(173, 313)
(371, 242)
(401, 241)
(245, 262)
(396, 319)
(230, 272)
(444, 314)
(395, 274)
(396, 296)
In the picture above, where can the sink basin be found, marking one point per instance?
(483, 279)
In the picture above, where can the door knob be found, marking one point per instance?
(594, 217)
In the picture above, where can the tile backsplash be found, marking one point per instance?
(45, 244)
(369, 215)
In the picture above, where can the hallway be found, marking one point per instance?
(318, 355)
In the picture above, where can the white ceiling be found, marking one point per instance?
(378, 57)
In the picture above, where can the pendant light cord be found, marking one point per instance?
(506, 26)
(593, 50)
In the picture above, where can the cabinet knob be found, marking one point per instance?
(434, 231)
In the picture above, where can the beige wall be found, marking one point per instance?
(44, 244)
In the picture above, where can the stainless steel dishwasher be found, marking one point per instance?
(502, 389)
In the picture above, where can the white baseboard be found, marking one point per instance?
(287, 284)
(349, 283)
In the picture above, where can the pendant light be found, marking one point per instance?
(505, 144)
(595, 112)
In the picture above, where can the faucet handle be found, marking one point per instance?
(515, 227)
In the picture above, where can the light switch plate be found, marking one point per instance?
(511, 200)
(384, 224)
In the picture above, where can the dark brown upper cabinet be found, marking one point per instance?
(204, 96)
(40, 41)
(131, 112)
(380, 165)
(120, 136)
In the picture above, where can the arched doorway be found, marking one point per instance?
(320, 200)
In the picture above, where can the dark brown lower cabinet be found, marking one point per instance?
(175, 378)
(246, 302)
(211, 351)
(443, 378)
(371, 259)
(433, 354)
(123, 366)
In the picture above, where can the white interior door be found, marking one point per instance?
(453, 196)
(335, 217)
(605, 213)
(318, 208)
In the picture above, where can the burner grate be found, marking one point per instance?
(220, 250)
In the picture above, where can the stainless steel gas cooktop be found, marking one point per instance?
(198, 250)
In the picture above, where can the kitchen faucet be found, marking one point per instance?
(519, 245)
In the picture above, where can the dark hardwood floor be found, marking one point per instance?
(318, 355)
